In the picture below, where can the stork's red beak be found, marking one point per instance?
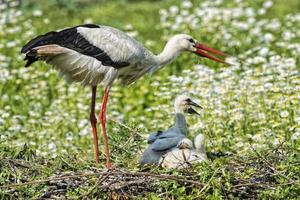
(205, 51)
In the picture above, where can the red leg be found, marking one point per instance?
(103, 122)
(93, 120)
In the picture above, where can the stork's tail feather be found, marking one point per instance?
(39, 41)
(31, 57)
(31, 53)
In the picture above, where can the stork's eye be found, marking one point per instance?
(191, 40)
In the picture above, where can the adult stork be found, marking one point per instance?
(95, 54)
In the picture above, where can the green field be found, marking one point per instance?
(251, 107)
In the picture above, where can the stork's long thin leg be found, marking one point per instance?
(93, 120)
(103, 122)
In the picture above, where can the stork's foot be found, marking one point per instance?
(108, 165)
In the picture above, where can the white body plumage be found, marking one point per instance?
(81, 64)
(185, 154)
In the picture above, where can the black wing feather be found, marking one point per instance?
(71, 39)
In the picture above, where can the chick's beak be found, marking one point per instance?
(191, 103)
(191, 110)
(208, 52)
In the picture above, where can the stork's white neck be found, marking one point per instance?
(179, 109)
(170, 52)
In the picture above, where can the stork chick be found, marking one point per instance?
(185, 154)
(163, 142)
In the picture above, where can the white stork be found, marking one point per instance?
(96, 54)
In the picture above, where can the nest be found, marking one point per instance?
(117, 183)
(124, 184)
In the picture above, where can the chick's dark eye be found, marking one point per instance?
(188, 100)
(191, 40)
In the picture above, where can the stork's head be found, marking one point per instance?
(184, 104)
(184, 42)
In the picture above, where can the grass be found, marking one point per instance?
(251, 110)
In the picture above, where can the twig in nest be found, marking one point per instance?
(18, 163)
(272, 167)
(110, 173)
(207, 184)
(99, 181)
(49, 194)
(129, 183)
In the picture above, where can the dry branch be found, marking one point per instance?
(107, 173)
